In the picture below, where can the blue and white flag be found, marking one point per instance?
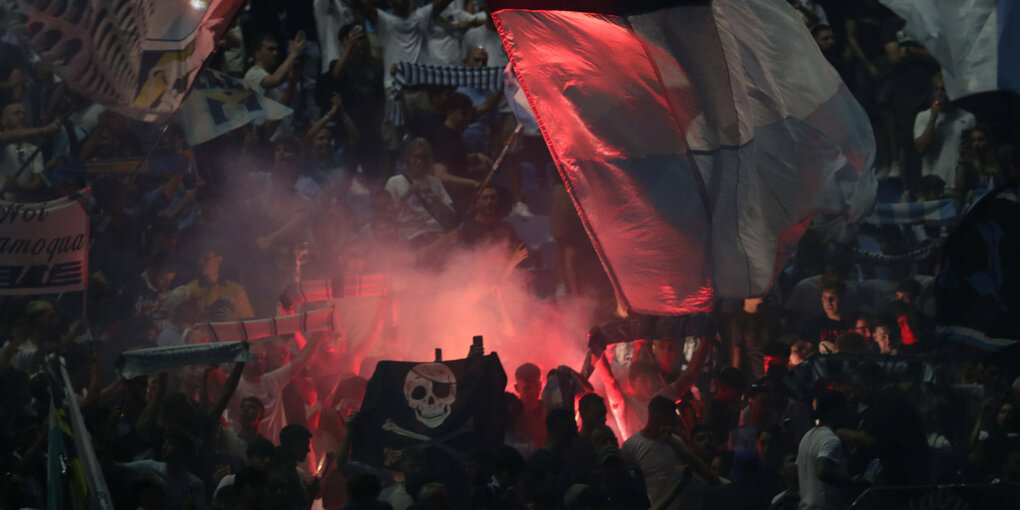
(977, 42)
(220, 104)
(932, 212)
(697, 141)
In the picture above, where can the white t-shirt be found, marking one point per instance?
(941, 157)
(657, 461)
(402, 38)
(443, 47)
(253, 80)
(14, 156)
(414, 219)
(269, 390)
(819, 443)
(489, 39)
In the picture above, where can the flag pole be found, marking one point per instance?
(134, 175)
(492, 171)
(38, 148)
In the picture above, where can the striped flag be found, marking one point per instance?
(220, 104)
(137, 57)
(975, 41)
(72, 473)
(696, 141)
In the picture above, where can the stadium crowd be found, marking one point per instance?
(339, 189)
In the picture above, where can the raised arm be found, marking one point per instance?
(301, 360)
(679, 387)
(321, 123)
(614, 394)
(367, 10)
(700, 468)
(228, 390)
(438, 6)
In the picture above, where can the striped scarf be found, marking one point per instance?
(408, 74)
(933, 212)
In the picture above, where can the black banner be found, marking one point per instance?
(452, 405)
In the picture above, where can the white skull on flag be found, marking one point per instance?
(430, 390)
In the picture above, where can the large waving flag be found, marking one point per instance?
(975, 41)
(219, 104)
(138, 57)
(696, 140)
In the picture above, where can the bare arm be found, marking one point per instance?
(700, 468)
(827, 471)
(18, 135)
(444, 175)
(228, 390)
(855, 47)
(857, 438)
(147, 418)
(489, 103)
(112, 388)
(94, 389)
(301, 360)
(321, 123)
(677, 388)
(283, 70)
(614, 394)
(923, 142)
(264, 242)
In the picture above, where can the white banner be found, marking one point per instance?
(43, 247)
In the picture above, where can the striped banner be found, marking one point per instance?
(146, 361)
(373, 285)
(325, 319)
(408, 74)
(933, 212)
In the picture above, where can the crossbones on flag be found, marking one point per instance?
(696, 139)
(454, 406)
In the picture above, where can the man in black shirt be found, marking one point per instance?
(823, 329)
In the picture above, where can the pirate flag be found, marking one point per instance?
(453, 405)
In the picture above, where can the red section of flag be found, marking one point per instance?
(597, 93)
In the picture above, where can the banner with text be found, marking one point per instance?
(43, 247)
